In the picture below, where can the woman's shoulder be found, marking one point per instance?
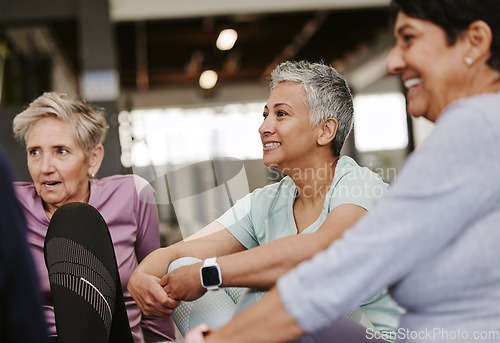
(23, 186)
(26, 194)
(349, 170)
(485, 100)
(353, 184)
(273, 195)
(275, 188)
(126, 184)
(469, 125)
(484, 108)
(24, 189)
(125, 180)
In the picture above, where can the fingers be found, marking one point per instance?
(150, 297)
(173, 291)
(171, 303)
(158, 303)
(163, 280)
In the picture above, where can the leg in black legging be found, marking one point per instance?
(84, 278)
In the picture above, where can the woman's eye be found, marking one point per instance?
(34, 152)
(408, 38)
(265, 115)
(62, 151)
(281, 113)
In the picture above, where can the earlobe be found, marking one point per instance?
(479, 37)
(328, 132)
(96, 157)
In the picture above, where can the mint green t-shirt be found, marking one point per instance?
(267, 213)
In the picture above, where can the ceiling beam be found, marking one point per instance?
(131, 10)
(369, 64)
(298, 42)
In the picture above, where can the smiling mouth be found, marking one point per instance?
(412, 82)
(270, 145)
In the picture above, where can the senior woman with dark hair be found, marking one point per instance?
(438, 228)
(306, 120)
(63, 138)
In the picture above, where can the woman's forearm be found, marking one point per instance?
(156, 263)
(210, 241)
(261, 266)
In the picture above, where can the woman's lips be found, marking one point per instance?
(409, 83)
(271, 145)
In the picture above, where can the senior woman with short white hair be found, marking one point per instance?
(306, 120)
(63, 137)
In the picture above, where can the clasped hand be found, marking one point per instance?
(183, 283)
(159, 297)
(150, 296)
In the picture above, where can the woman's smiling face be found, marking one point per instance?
(288, 138)
(433, 71)
(57, 164)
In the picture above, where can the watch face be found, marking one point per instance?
(210, 276)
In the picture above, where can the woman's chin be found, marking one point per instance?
(416, 111)
(421, 109)
(273, 165)
(269, 162)
(52, 200)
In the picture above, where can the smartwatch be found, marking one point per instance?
(210, 274)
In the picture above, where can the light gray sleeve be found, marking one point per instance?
(451, 180)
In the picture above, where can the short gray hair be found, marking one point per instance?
(88, 123)
(327, 94)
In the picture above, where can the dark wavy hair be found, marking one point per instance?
(455, 16)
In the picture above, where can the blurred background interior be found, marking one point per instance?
(184, 84)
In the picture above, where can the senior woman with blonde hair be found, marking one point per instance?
(434, 237)
(63, 137)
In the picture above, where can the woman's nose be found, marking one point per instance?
(267, 126)
(395, 62)
(47, 164)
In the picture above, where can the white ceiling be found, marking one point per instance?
(131, 10)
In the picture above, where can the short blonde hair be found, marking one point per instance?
(88, 123)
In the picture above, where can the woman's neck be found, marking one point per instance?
(484, 80)
(313, 183)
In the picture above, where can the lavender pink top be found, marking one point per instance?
(127, 204)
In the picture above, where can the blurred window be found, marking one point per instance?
(380, 122)
(176, 136)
